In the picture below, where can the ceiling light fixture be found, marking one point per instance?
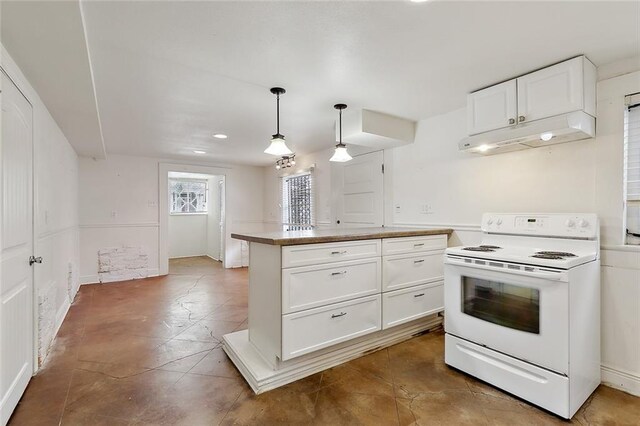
(340, 155)
(199, 152)
(286, 161)
(278, 146)
(220, 136)
(484, 148)
(546, 136)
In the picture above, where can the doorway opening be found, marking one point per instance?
(192, 217)
(196, 215)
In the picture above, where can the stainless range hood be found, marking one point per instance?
(548, 131)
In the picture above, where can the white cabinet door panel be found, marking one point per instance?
(311, 286)
(318, 328)
(492, 108)
(401, 306)
(551, 91)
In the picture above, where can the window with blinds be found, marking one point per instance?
(632, 168)
(297, 202)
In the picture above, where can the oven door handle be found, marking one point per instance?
(550, 276)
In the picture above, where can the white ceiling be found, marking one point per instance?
(170, 74)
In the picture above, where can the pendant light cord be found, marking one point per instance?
(340, 127)
(278, 113)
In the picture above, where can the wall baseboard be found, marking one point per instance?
(95, 279)
(621, 380)
(191, 255)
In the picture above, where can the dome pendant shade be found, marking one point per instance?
(340, 155)
(278, 146)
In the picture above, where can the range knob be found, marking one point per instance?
(583, 223)
(489, 221)
(499, 222)
(570, 223)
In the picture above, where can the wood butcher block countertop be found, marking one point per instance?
(316, 236)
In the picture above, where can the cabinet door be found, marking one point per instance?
(551, 91)
(492, 108)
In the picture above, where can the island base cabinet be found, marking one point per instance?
(402, 306)
(313, 329)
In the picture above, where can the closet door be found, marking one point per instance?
(16, 236)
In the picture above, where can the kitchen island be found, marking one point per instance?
(318, 298)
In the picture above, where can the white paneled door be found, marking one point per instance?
(358, 191)
(16, 286)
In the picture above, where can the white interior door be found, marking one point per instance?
(358, 191)
(16, 286)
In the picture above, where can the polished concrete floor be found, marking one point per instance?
(147, 352)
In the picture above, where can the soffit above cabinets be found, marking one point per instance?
(375, 129)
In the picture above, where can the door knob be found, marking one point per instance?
(512, 121)
(33, 259)
(521, 118)
(338, 221)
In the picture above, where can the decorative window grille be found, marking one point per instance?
(297, 202)
(632, 169)
(187, 196)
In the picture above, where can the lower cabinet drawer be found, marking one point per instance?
(405, 305)
(408, 270)
(312, 286)
(313, 329)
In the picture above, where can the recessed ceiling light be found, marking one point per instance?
(418, 1)
(199, 152)
(220, 136)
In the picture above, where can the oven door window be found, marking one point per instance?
(503, 304)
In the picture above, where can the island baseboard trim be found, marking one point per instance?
(261, 377)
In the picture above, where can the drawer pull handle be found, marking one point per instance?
(333, 274)
(339, 252)
(418, 244)
(418, 295)
(418, 261)
(341, 314)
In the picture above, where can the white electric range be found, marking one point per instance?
(522, 308)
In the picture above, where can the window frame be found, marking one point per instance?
(286, 225)
(191, 180)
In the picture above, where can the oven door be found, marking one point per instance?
(525, 315)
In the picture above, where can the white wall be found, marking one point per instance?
(55, 214)
(582, 176)
(119, 206)
(188, 235)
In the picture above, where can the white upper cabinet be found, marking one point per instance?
(565, 87)
(492, 108)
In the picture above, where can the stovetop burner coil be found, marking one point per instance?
(557, 253)
(548, 256)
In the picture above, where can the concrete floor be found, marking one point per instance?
(147, 352)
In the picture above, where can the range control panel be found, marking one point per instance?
(569, 225)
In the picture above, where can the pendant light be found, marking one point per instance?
(340, 155)
(278, 146)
